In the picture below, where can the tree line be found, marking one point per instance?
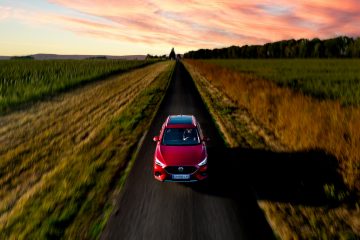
(156, 57)
(339, 47)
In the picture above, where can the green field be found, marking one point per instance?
(25, 80)
(63, 161)
(337, 79)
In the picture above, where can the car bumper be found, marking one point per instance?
(161, 175)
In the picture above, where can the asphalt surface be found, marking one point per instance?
(223, 207)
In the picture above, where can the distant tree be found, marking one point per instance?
(331, 48)
(172, 54)
(97, 57)
(155, 57)
(303, 46)
(317, 48)
(23, 58)
(261, 51)
(231, 52)
(243, 51)
(354, 48)
(344, 43)
(290, 49)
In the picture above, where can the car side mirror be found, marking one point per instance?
(156, 138)
(206, 139)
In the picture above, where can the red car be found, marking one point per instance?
(180, 154)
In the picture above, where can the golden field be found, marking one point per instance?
(253, 113)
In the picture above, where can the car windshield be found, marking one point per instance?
(180, 136)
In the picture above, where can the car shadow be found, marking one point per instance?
(292, 177)
(248, 175)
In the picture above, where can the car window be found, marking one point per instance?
(180, 136)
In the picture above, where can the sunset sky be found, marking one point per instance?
(126, 27)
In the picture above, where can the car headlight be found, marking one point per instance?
(157, 162)
(203, 162)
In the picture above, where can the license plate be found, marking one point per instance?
(180, 176)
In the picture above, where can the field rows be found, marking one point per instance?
(22, 81)
(39, 142)
(300, 146)
(336, 79)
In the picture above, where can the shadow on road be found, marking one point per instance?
(247, 175)
(293, 177)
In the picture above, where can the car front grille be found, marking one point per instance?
(180, 169)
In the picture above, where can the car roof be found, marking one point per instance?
(181, 121)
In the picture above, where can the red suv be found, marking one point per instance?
(180, 154)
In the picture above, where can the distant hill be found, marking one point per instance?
(56, 56)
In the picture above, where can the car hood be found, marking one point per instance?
(181, 155)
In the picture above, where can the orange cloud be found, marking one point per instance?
(199, 23)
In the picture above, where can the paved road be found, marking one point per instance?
(224, 207)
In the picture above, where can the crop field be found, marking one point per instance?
(337, 79)
(307, 177)
(25, 80)
(63, 160)
(300, 121)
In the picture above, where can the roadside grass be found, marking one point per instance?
(23, 81)
(336, 79)
(267, 117)
(299, 122)
(74, 198)
(308, 222)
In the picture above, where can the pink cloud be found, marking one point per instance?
(5, 12)
(199, 23)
